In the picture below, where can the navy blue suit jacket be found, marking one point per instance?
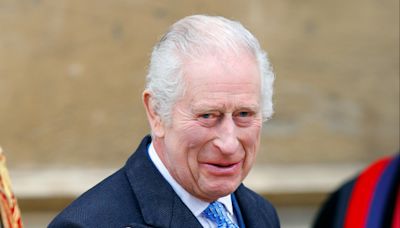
(137, 195)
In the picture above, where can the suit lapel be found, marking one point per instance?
(237, 212)
(159, 204)
(182, 216)
(248, 204)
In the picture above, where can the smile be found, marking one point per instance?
(221, 169)
(224, 166)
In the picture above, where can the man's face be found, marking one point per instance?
(213, 138)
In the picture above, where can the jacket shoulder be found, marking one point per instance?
(111, 202)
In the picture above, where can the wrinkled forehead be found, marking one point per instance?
(214, 76)
(222, 66)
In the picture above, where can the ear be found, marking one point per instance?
(155, 121)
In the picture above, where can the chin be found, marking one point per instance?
(221, 190)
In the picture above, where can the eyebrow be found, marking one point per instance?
(205, 106)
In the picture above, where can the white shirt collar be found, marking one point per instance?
(195, 205)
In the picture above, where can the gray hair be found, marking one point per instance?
(192, 37)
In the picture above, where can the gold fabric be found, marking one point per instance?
(10, 213)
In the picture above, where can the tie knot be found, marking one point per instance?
(216, 212)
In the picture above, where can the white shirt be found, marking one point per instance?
(195, 205)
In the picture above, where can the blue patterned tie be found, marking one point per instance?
(216, 212)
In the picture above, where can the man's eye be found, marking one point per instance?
(208, 119)
(244, 118)
(206, 116)
(244, 114)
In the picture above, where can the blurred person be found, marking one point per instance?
(10, 216)
(370, 200)
(209, 89)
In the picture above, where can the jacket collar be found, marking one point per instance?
(252, 209)
(159, 204)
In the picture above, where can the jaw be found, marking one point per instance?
(214, 187)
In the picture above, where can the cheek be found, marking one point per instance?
(251, 136)
(195, 139)
(251, 142)
(196, 136)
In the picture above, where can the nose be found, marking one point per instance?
(227, 141)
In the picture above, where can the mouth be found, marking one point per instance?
(222, 169)
(223, 165)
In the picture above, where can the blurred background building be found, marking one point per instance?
(72, 73)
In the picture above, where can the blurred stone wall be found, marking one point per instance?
(72, 73)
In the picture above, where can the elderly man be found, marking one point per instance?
(209, 89)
